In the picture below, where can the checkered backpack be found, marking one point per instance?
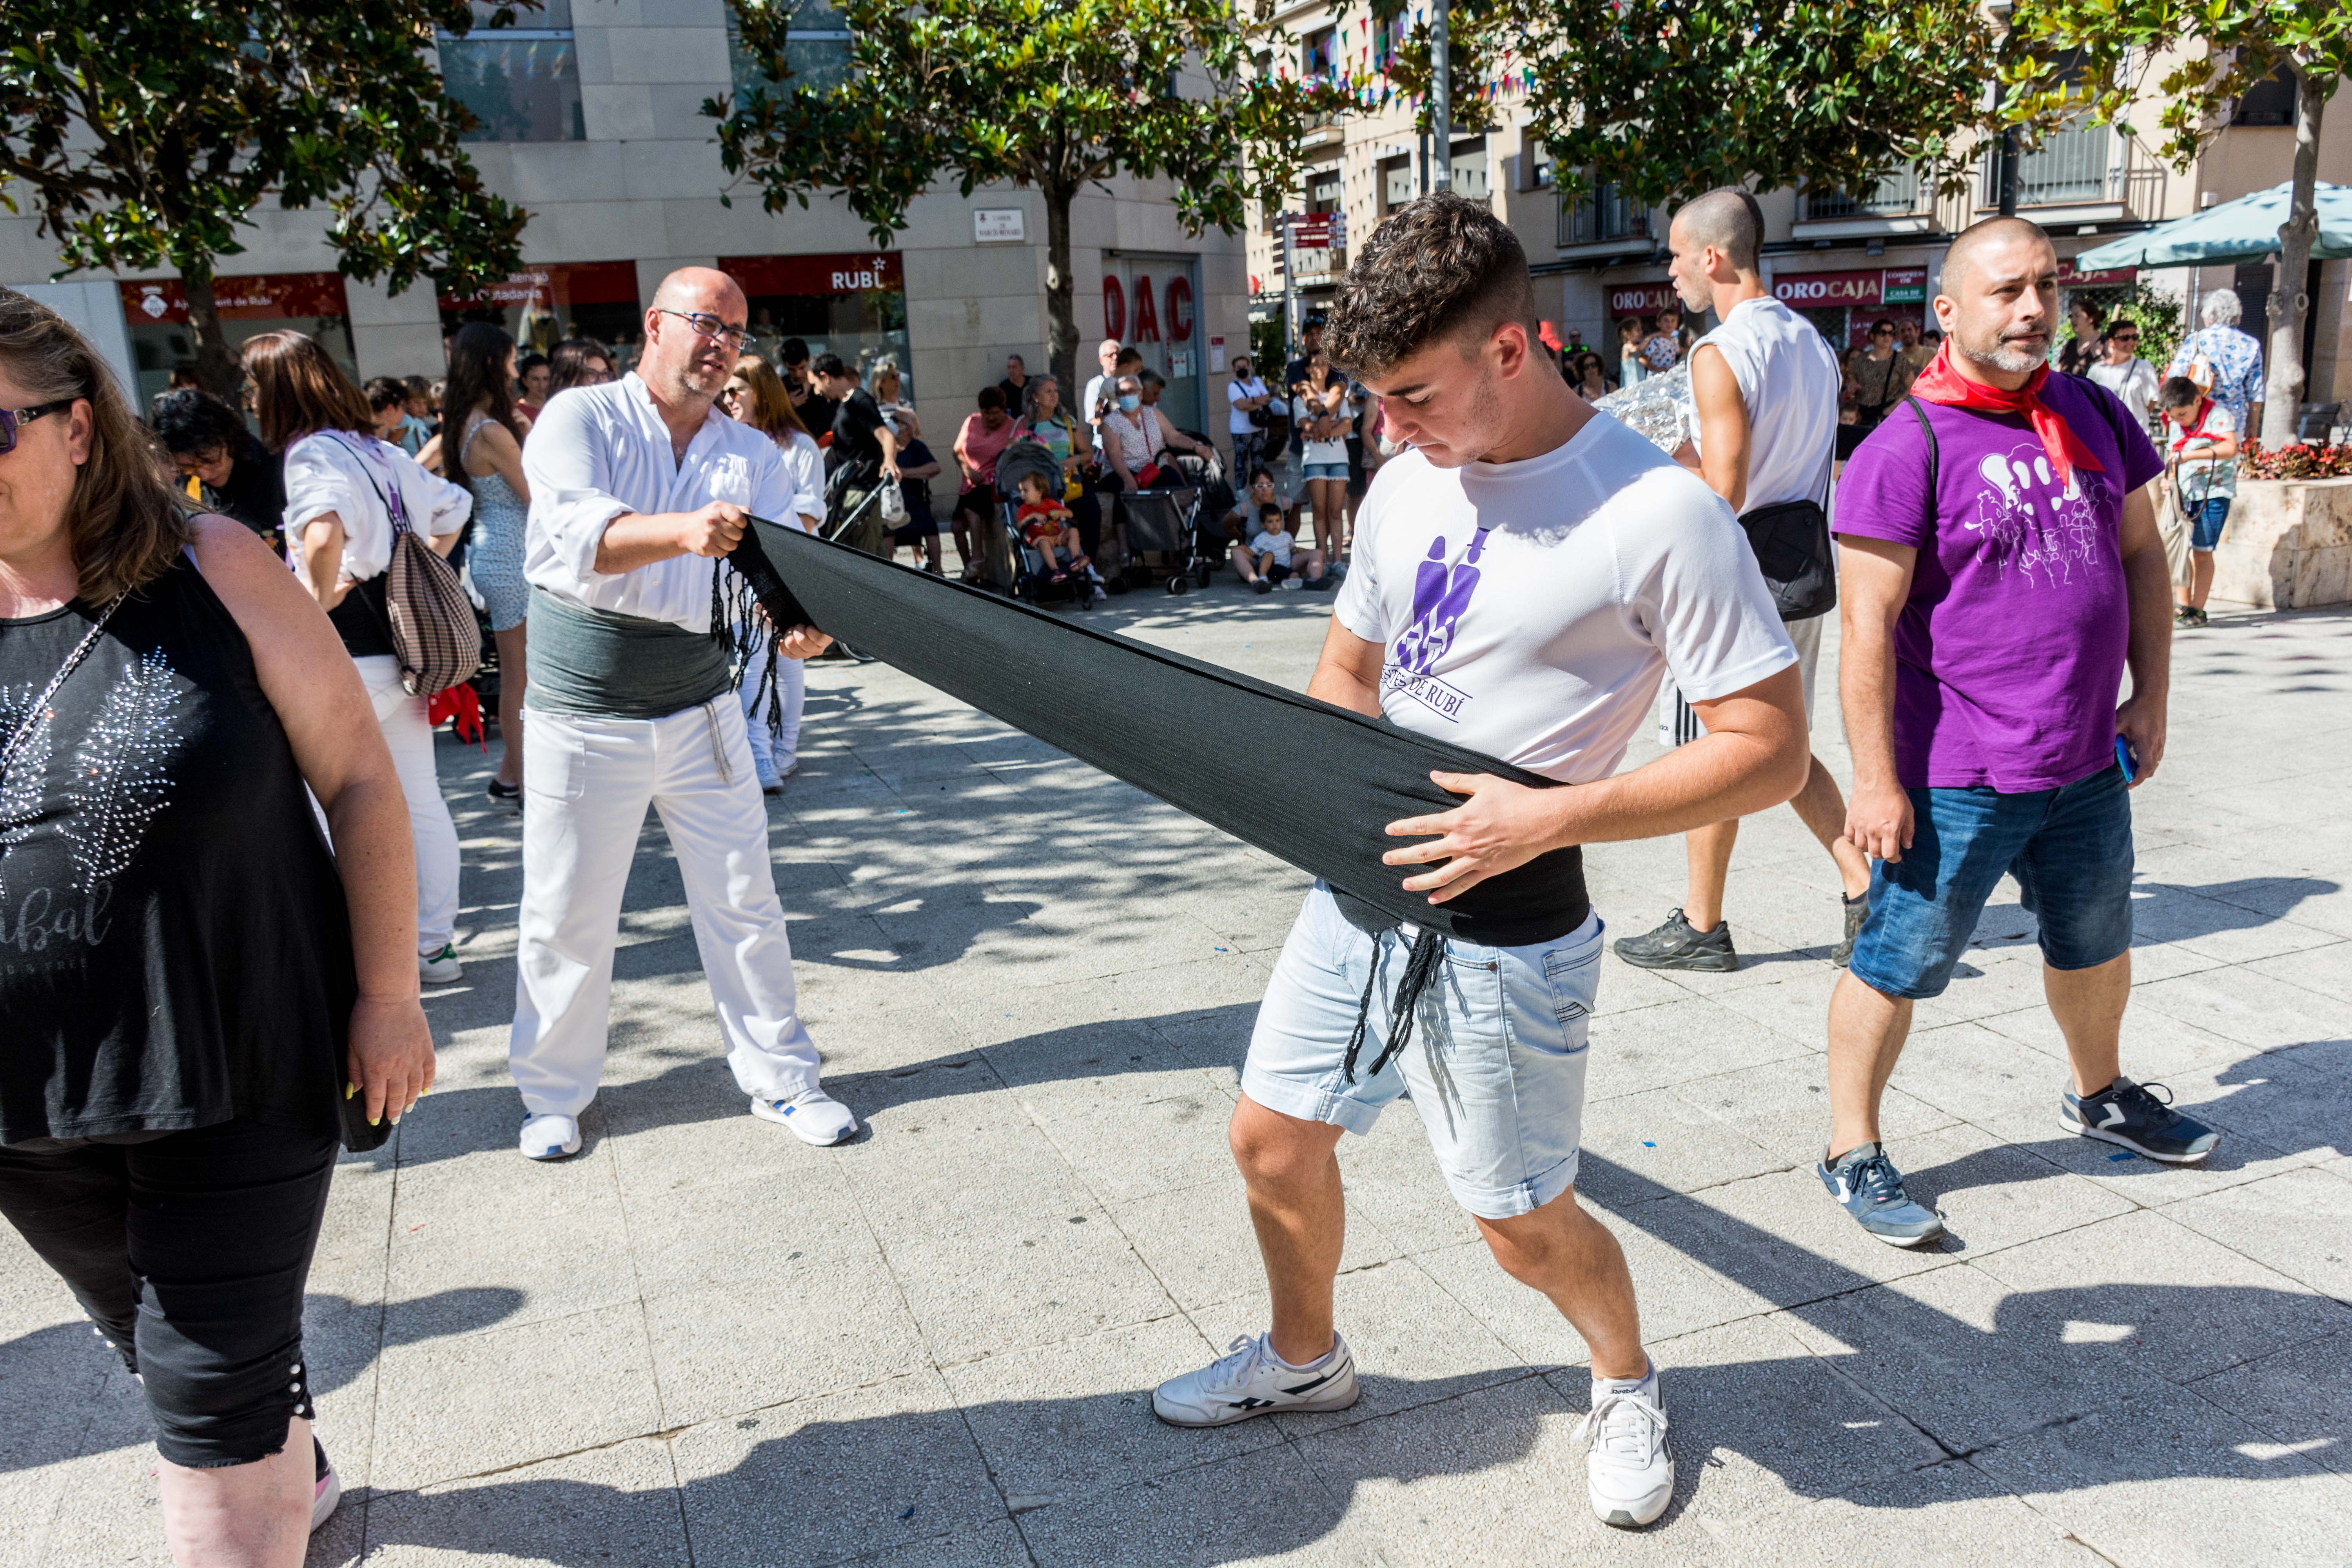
(434, 633)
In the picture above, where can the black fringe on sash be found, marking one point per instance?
(736, 624)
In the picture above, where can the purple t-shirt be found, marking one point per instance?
(2009, 654)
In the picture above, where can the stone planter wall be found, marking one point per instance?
(2288, 545)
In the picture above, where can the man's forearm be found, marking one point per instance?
(639, 539)
(1713, 779)
(1866, 694)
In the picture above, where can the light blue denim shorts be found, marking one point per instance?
(1496, 1066)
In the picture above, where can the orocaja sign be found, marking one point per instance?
(1643, 300)
(1804, 289)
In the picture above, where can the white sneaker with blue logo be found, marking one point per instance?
(1251, 1380)
(815, 1117)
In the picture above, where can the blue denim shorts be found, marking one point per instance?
(2205, 528)
(2069, 849)
(1324, 471)
(1496, 1066)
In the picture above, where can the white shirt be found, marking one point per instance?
(1138, 433)
(598, 452)
(325, 474)
(1788, 379)
(2134, 383)
(806, 459)
(1277, 545)
(1237, 391)
(1529, 610)
(1086, 409)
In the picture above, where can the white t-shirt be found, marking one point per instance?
(2133, 383)
(1788, 380)
(326, 473)
(1237, 420)
(1529, 610)
(1274, 544)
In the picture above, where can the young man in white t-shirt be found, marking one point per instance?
(1524, 574)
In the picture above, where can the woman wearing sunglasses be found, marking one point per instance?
(190, 978)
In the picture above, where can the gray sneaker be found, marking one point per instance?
(1856, 911)
(1867, 1186)
(1679, 945)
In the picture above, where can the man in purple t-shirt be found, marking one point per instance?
(2002, 570)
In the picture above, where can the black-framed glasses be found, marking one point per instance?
(706, 325)
(15, 419)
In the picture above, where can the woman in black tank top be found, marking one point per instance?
(190, 977)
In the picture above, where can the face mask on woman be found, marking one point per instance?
(1129, 402)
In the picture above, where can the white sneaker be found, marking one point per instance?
(327, 1492)
(439, 968)
(548, 1136)
(1253, 1380)
(815, 1117)
(1629, 1471)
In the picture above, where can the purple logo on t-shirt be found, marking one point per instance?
(1441, 594)
(2050, 532)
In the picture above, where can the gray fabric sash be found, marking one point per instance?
(605, 665)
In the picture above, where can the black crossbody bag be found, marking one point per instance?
(1790, 540)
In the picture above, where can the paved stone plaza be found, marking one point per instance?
(702, 1343)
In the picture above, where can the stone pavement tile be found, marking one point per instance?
(2300, 1398)
(1665, 1045)
(687, 1141)
(1626, 989)
(929, 1162)
(2298, 1222)
(1796, 1003)
(2170, 1478)
(1132, 1134)
(1413, 1342)
(1992, 1194)
(1255, 915)
(1198, 1243)
(617, 1503)
(1661, 1138)
(2327, 971)
(548, 1238)
(2150, 1183)
(993, 1016)
(748, 1235)
(2248, 1007)
(2155, 1043)
(1263, 1507)
(1970, 1069)
(1785, 1107)
(834, 1479)
(1074, 1419)
(28, 1504)
(2194, 1302)
(1392, 1180)
(1947, 1514)
(458, 1406)
(817, 1325)
(1780, 1238)
(1018, 1277)
(111, 1511)
(1985, 983)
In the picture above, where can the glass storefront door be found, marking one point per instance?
(853, 304)
(156, 313)
(1151, 303)
(540, 306)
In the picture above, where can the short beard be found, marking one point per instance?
(1999, 357)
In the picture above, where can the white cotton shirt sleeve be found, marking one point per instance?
(324, 475)
(437, 507)
(1692, 582)
(566, 462)
(806, 460)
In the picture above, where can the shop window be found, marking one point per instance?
(156, 314)
(2269, 101)
(1396, 181)
(1470, 170)
(542, 306)
(816, 49)
(1319, 55)
(1323, 190)
(853, 304)
(520, 84)
(1535, 166)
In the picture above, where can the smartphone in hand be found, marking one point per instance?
(2125, 761)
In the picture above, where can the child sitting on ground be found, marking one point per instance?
(1047, 526)
(1267, 558)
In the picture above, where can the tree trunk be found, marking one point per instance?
(1061, 310)
(2283, 388)
(217, 370)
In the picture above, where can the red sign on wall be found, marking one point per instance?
(1147, 313)
(557, 284)
(844, 272)
(2069, 278)
(265, 297)
(1114, 309)
(1180, 310)
(1804, 289)
(1643, 299)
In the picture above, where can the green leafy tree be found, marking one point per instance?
(146, 135)
(1051, 94)
(1665, 99)
(2104, 59)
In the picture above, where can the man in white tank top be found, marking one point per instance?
(1766, 387)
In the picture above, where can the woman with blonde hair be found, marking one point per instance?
(210, 977)
(755, 395)
(342, 486)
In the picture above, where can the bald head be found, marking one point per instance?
(680, 363)
(1727, 219)
(2011, 242)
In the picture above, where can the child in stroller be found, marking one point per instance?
(1048, 527)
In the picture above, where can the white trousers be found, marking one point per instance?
(771, 754)
(586, 784)
(410, 737)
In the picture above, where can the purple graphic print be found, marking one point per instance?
(1440, 597)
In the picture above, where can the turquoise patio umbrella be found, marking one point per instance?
(2242, 230)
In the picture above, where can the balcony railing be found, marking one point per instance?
(1602, 213)
(2077, 164)
(1896, 195)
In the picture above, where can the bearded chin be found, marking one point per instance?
(2002, 358)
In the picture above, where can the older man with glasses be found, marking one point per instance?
(638, 489)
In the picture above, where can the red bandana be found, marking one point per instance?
(1939, 383)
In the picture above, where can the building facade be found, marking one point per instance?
(592, 120)
(1843, 260)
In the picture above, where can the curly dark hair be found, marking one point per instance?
(1442, 264)
(191, 422)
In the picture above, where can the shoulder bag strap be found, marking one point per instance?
(1926, 430)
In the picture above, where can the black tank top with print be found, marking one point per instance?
(174, 948)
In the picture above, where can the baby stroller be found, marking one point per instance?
(1027, 571)
(1166, 521)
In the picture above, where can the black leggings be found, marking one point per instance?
(189, 1252)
